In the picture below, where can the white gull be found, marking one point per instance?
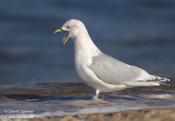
(101, 71)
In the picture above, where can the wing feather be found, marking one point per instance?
(113, 71)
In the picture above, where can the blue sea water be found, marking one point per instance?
(138, 32)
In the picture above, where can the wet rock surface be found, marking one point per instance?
(72, 99)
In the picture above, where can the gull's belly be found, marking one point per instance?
(81, 64)
(81, 70)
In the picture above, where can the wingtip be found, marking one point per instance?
(168, 82)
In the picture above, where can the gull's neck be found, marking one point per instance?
(84, 45)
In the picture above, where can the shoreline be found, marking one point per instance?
(51, 101)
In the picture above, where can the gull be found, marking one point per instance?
(99, 70)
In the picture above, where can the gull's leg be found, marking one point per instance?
(96, 95)
(98, 100)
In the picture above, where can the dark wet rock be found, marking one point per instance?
(45, 89)
(21, 96)
(72, 89)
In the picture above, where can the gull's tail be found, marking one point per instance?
(164, 81)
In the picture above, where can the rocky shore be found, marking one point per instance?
(73, 102)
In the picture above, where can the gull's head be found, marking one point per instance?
(73, 27)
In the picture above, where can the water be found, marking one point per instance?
(137, 32)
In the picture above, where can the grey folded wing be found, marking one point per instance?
(113, 71)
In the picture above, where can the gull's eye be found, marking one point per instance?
(68, 27)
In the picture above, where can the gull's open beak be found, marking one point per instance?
(58, 30)
(65, 39)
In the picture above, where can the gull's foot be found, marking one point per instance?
(101, 101)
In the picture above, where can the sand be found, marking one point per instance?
(138, 115)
